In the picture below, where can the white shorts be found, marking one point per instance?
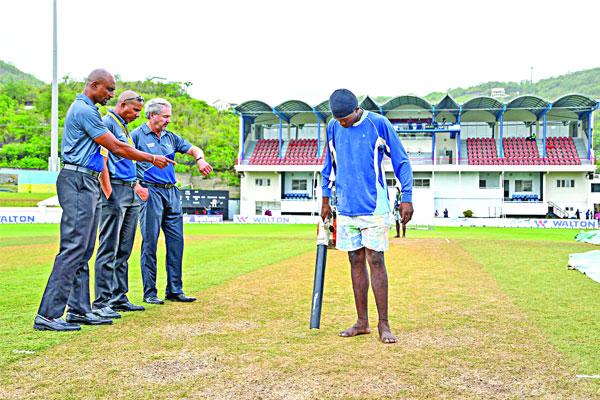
(370, 231)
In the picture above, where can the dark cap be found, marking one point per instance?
(342, 103)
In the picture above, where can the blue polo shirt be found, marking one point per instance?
(167, 145)
(83, 124)
(119, 167)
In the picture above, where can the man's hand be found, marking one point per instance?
(141, 191)
(204, 167)
(406, 212)
(161, 162)
(326, 209)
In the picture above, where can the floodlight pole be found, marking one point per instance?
(53, 161)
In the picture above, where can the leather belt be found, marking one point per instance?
(114, 181)
(78, 168)
(160, 185)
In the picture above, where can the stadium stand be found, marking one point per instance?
(266, 153)
(482, 151)
(561, 151)
(520, 151)
(302, 152)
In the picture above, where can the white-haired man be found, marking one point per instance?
(161, 205)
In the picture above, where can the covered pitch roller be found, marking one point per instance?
(326, 235)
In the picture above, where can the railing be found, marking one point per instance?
(561, 212)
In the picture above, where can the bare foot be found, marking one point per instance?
(385, 334)
(359, 328)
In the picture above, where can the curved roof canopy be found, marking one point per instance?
(447, 103)
(406, 100)
(483, 103)
(566, 107)
(253, 108)
(577, 103)
(323, 109)
(530, 103)
(291, 108)
(369, 104)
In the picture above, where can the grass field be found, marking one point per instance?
(479, 313)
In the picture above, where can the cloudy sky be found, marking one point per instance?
(280, 50)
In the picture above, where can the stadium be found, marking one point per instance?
(529, 157)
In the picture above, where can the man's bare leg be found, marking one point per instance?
(403, 230)
(360, 286)
(398, 229)
(379, 283)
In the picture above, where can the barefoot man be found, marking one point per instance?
(358, 140)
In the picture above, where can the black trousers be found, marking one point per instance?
(78, 194)
(118, 222)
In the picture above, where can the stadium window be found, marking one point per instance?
(422, 183)
(262, 182)
(390, 182)
(298, 184)
(523, 186)
(595, 187)
(482, 183)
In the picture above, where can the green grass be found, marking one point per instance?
(499, 296)
(25, 196)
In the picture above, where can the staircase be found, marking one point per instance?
(557, 210)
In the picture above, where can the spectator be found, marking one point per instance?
(437, 214)
(577, 214)
(445, 213)
(268, 213)
(587, 214)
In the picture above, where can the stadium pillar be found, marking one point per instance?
(241, 139)
(433, 148)
(544, 133)
(458, 135)
(543, 113)
(281, 118)
(501, 122)
(589, 135)
(319, 117)
(280, 136)
(432, 115)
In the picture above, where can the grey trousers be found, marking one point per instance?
(78, 194)
(118, 222)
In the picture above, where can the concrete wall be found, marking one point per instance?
(568, 196)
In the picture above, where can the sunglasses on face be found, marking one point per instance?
(138, 98)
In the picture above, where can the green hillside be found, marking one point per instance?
(25, 131)
(9, 72)
(585, 82)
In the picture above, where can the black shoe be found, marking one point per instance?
(88, 319)
(106, 312)
(180, 297)
(125, 307)
(53, 324)
(153, 300)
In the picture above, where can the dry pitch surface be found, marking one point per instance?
(460, 336)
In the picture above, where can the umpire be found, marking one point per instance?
(161, 203)
(119, 215)
(78, 193)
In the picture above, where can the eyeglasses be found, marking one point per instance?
(138, 98)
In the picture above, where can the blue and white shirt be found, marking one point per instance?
(83, 124)
(167, 145)
(359, 176)
(119, 167)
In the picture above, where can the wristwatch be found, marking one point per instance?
(200, 158)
